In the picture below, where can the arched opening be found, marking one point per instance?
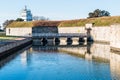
(57, 41)
(69, 41)
(44, 41)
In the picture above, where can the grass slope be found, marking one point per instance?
(21, 24)
(102, 21)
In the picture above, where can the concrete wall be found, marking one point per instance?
(26, 31)
(100, 51)
(71, 29)
(115, 37)
(108, 34)
(13, 45)
(98, 33)
(51, 29)
(115, 65)
(101, 34)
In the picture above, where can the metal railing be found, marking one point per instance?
(59, 35)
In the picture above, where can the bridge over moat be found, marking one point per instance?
(58, 37)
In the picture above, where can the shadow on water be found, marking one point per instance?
(6, 60)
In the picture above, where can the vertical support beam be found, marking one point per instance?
(85, 38)
(88, 28)
(75, 40)
(63, 40)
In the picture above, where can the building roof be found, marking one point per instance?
(34, 24)
(20, 24)
(46, 23)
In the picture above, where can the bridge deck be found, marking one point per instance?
(51, 35)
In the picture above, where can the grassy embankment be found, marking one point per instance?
(20, 24)
(102, 21)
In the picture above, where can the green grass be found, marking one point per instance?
(4, 37)
(7, 38)
(102, 21)
(21, 24)
(2, 34)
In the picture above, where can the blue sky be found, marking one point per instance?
(57, 9)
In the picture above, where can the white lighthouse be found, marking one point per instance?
(26, 14)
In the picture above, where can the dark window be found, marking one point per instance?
(9, 31)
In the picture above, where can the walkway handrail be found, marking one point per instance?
(57, 34)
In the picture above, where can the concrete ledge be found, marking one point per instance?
(8, 52)
(116, 50)
(102, 42)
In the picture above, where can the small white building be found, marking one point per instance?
(26, 14)
(19, 29)
(29, 28)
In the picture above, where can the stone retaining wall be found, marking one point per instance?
(109, 34)
(9, 48)
(115, 37)
(80, 29)
(101, 34)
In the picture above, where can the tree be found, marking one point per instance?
(105, 13)
(42, 18)
(98, 13)
(6, 23)
(91, 15)
(19, 19)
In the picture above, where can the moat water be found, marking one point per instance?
(91, 62)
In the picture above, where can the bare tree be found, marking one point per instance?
(42, 18)
(6, 23)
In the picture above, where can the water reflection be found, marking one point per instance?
(22, 52)
(96, 53)
(90, 51)
(25, 57)
(115, 65)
